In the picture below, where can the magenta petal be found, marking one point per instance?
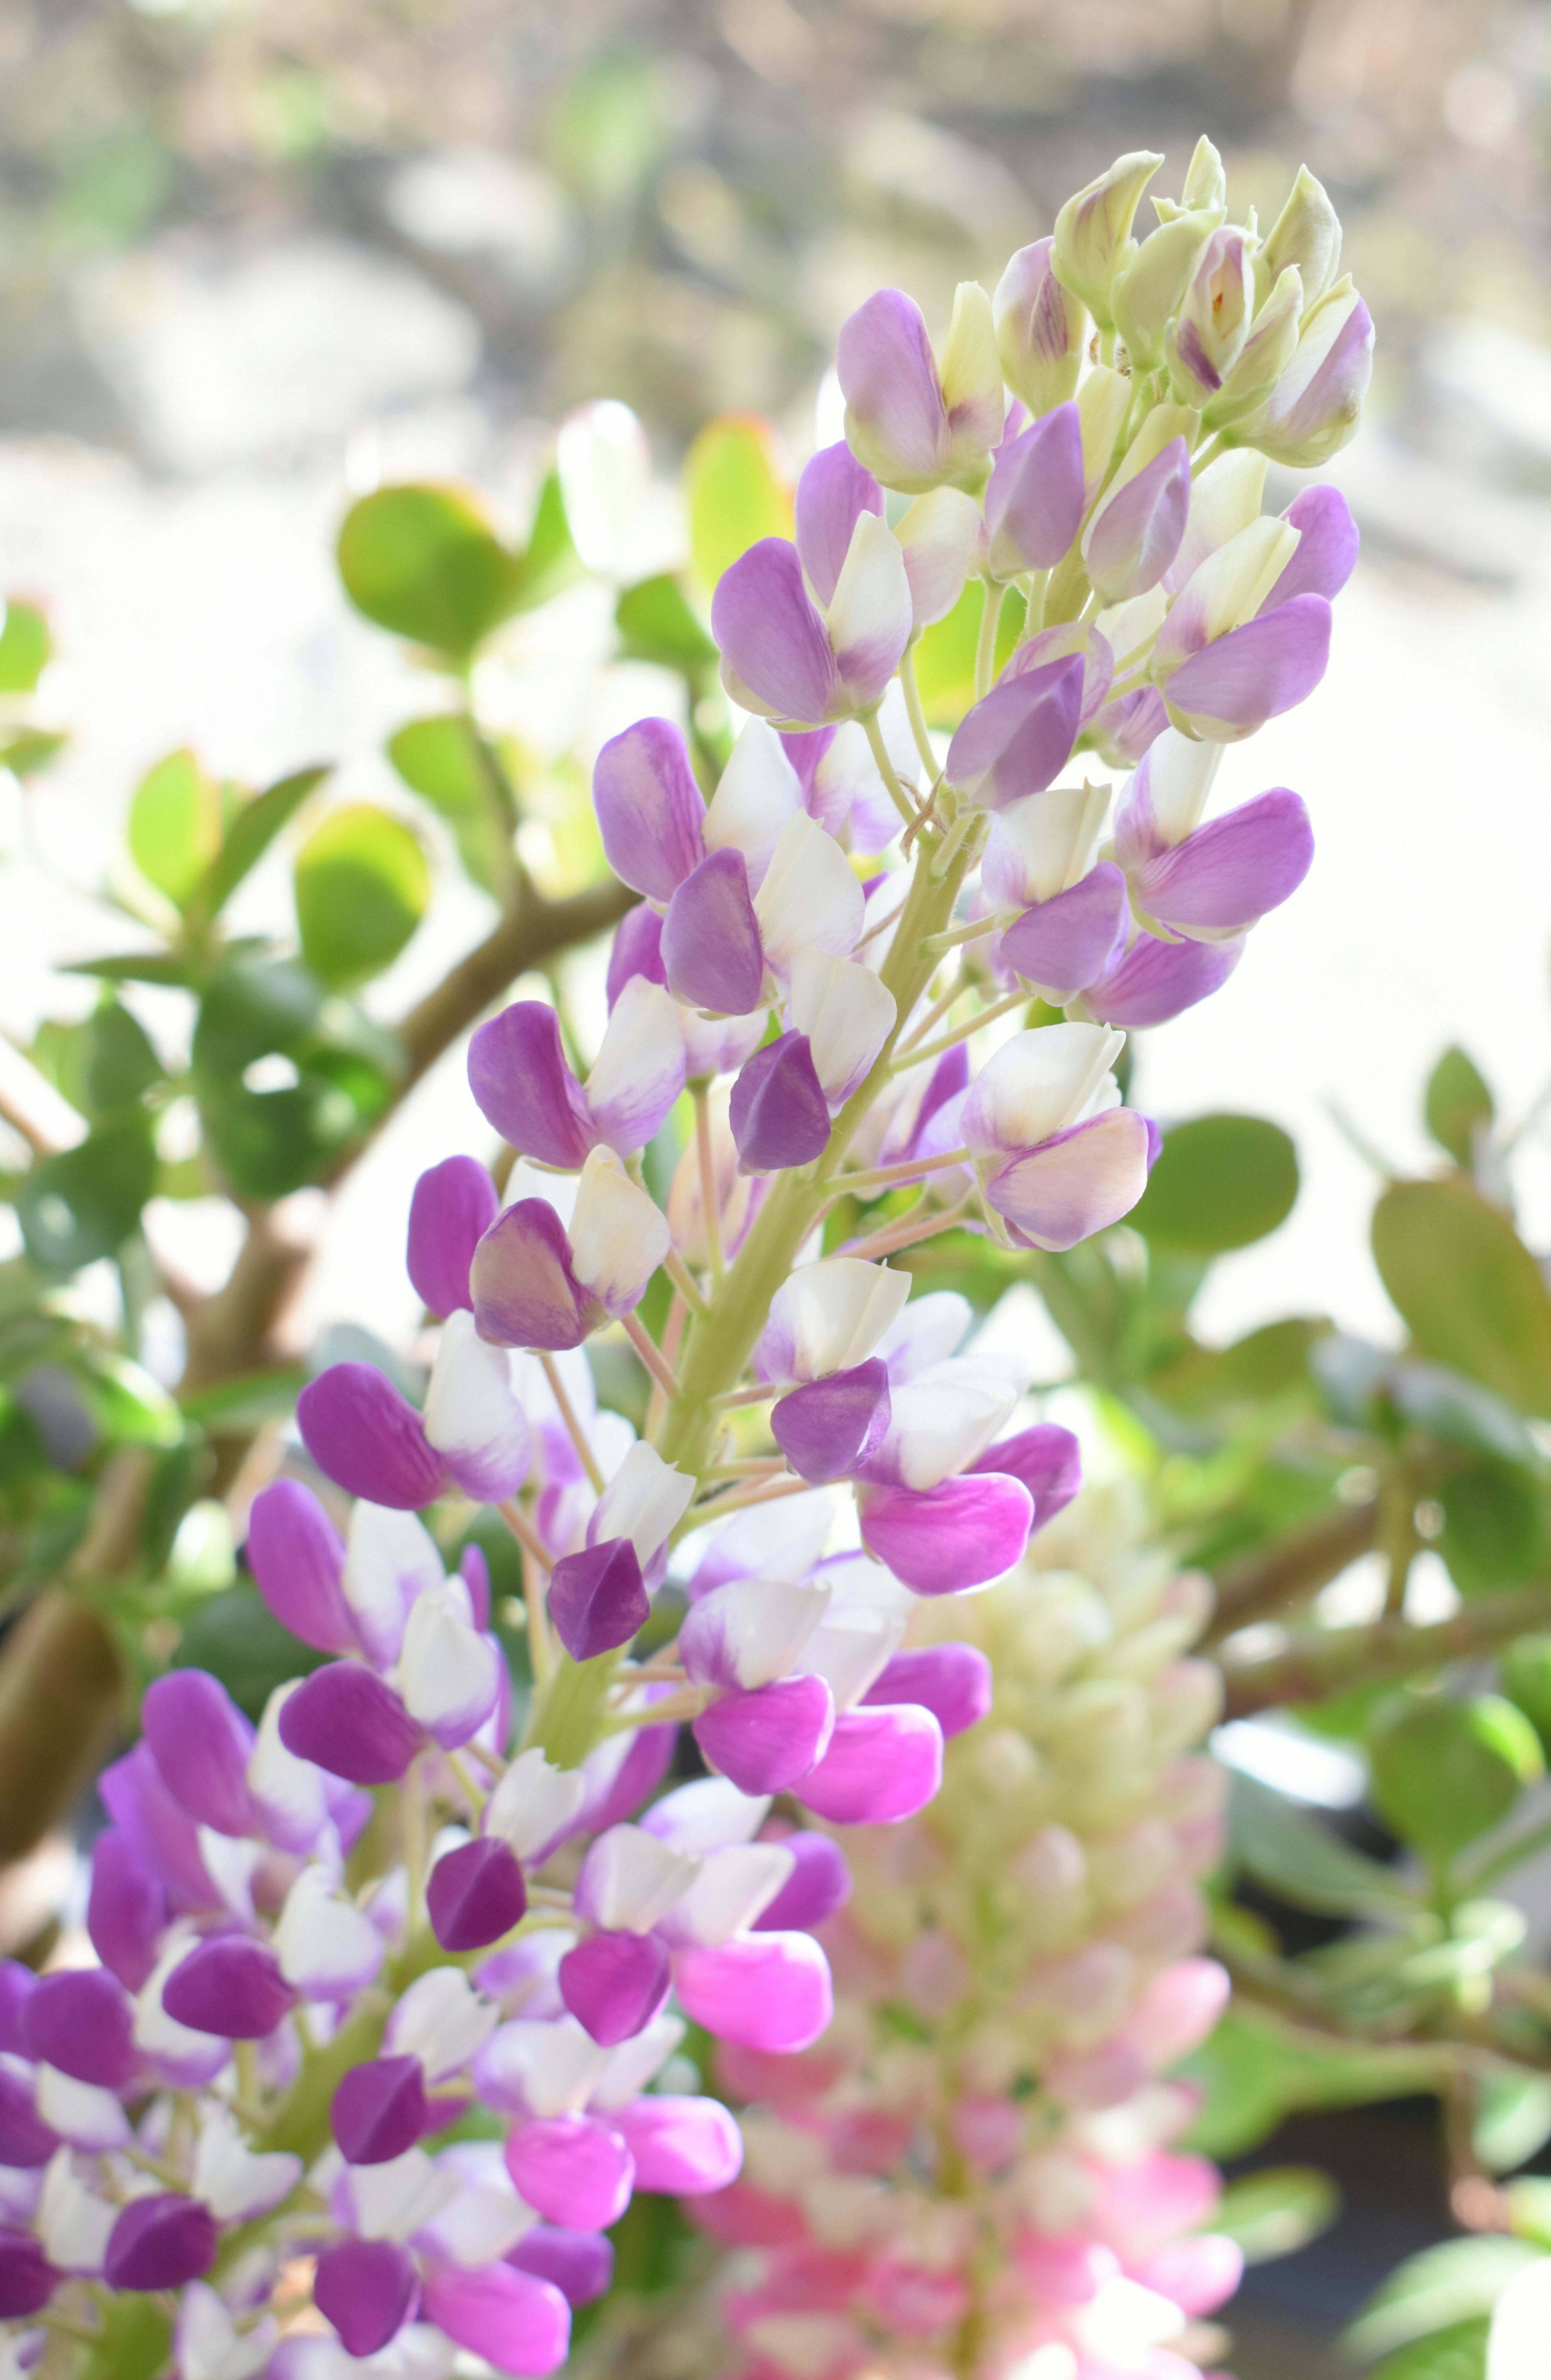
(711, 950)
(681, 2146)
(1136, 535)
(26, 2278)
(455, 1204)
(378, 2110)
(514, 2320)
(127, 1911)
(297, 1558)
(573, 2170)
(346, 1720)
(370, 1440)
(17, 1984)
(1047, 1459)
(82, 2021)
(1233, 870)
(771, 639)
(778, 1110)
(25, 2142)
(525, 1292)
(953, 1682)
(231, 1986)
(828, 1428)
(369, 2290)
(598, 1600)
(766, 1739)
(888, 376)
(1033, 499)
(474, 1894)
(581, 2264)
(160, 2243)
(763, 1991)
(1256, 672)
(832, 494)
(963, 1533)
(518, 1074)
(158, 1830)
(1328, 547)
(650, 812)
(1070, 941)
(1156, 981)
(816, 1888)
(1018, 738)
(614, 1985)
(1078, 1181)
(637, 950)
(202, 1745)
(883, 1765)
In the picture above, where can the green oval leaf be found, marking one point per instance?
(440, 759)
(25, 647)
(253, 1007)
(736, 492)
(1467, 1288)
(270, 1143)
(250, 832)
(175, 825)
(424, 563)
(362, 887)
(1443, 1771)
(84, 1203)
(1494, 1532)
(1458, 1103)
(656, 623)
(1277, 2211)
(1220, 1182)
(1524, 1675)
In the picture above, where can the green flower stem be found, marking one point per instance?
(918, 726)
(986, 643)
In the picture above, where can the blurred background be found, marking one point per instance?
(257, 256)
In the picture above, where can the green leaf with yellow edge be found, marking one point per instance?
(1467, 1288)
(175, 825)
(362, 886)
(1444, 1771)
(425, 562)
(25, 647)
(736, 492)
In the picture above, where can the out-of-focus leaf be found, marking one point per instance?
(424, 563)
(254, 1008)
(121, 1061)
(175, 825)
(440, 760)
(1528, 2208)
(237, 1637)
(1444, 1771)
(270, 1143)
(250, 832)
(1459, 2281)
(135, 2342)
(1350, 1373)
(1462, 1412)
(1295, 1856)
(1220, 1182)
(945, 653)
(1469, 1291)
(656, 623)
(84, 1203)
(1512, 2120)
(138, 967)
(1267, 1364)
(248, 1403)
(736, 492)
(1494, 1529)
(131, 1405)
(611, 130)
(362, 886)
(1457, 2353)
(171, 1492)
(551, 562)
(1456, 1105)
(27, 751)
(25, 647)
(1254, 2071)
(1524, 1675)
(1277, 2211)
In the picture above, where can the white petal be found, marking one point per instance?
(781, 1540)
(442, 2021)
(707, 1815)
(811, 898)
(1521, 2326)
(471, 1415)
(478, 2222)
(449, 1674)
(629, 1879)
(326, 1946)
(292, 1793)
(928, 1331)
(604, 462)
(944, 1419)
(636, 2062)
(73, 2223)
(394, 2200)
(534, 1803)
(938, 534)
(83, 2113)
(847, 1015)
(389, 1558)
(971, 369)
(645, 1502)
(758, 794)
(759, 1628)
(850, 1649)
(638, 1072)
(541, 2068)
(1043, 844)
(1178, 775)
(1036, 1084)
(619, 1234)
(1224, 499)
(211, 2347)
(558, 1191)
(832, 1314)
(233, 2182)
(230, 1861)
(734, 1888)
(161, 2035)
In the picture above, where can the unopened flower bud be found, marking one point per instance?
(1307, 232)
(1093, 240)
(1266, 354)
(1207, 338)
(1039, 328)
(1152, 288)
(1317, 402)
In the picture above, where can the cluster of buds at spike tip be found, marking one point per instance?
(978, 2170)
(410, 1895)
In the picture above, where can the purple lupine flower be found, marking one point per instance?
(1058, 1160)
(1135, 531)
(762, 1991)
(1156, 981)
(369, 2290)
(818, 1885)
(1317, 401)
(779, 1112)
(474, 1894)
(1034, 499)
(1040, 330)
(1328, 547)
(832, 493)
(650, 813)
(537, 1283)
(1220, 879)
(1063, 944)
(784, 658)
(1207, 335)
(453, 1205)
(1231, 686)
(910, 426)
(160, 2242)
(378, 2109)
(953, 1682)
(518, 1074)
(1017, 739)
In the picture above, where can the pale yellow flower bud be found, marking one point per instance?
(1093, 240)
